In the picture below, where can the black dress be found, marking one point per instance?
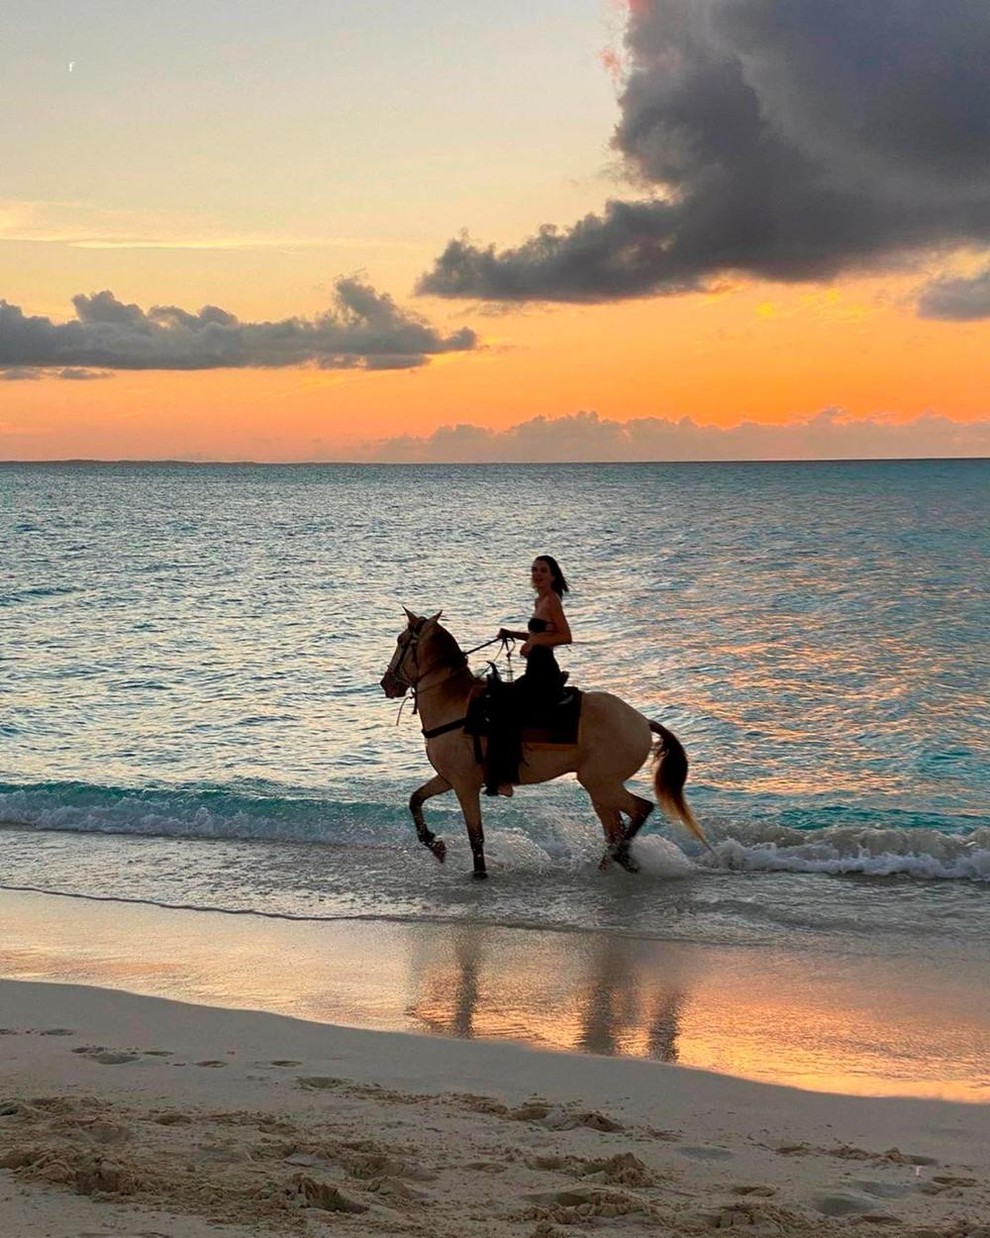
(525, 701)
(539, 687)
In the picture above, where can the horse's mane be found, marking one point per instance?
(448, 652)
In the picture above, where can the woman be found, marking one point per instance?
(547, 628)
(539, 687)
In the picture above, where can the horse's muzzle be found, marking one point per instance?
(392, 685)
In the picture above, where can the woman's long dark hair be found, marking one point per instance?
(558, 584)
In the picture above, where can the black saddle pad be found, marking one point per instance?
(552, 723)
(557, 725)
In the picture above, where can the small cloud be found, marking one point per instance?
(363, 329)
(956, 299)
(20, 374)
(82, 376)
(81, 225)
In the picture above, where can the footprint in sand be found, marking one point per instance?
(323, 1195)
(557, 1118)
(581, 1203)
(623, 1169)
(105, 1056)
(16, 1109)
(882, 1190)
(56, 1031)
(844, 1203)
(701, 1152)
(213, 1062)
(949, 1185)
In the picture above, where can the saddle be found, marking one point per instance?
(494, 711)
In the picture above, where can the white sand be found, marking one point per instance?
(134, 1116)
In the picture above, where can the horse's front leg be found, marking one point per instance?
(436, 786)
(470, 803)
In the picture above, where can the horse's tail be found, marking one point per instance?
(670, 768)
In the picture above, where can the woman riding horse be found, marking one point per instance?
(539, 687)
(612, 743)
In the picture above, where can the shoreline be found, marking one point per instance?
(873, 1026)
(137, 1113)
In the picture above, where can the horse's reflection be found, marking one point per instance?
(446, 986)
(610, 996)
(623, 1013)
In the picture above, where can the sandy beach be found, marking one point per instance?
(124, 1115)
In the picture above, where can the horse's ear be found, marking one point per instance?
(434, 618)
(410, 616)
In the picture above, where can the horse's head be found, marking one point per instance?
(406, 667)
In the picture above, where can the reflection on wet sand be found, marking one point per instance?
(604, 995)
(855, 1024)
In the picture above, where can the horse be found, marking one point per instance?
(613, 742)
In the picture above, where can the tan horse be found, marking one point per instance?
(613, 742)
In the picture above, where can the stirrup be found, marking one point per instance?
(501, 788)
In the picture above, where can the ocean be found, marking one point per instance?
(190, 712)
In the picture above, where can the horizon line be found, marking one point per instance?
(178, 461)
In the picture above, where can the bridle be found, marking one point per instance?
(396, 674)
(408, 642)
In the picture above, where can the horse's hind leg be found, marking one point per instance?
(435, 786)
(618, 848)
(611, 821)
(618, 837)
(638, 810)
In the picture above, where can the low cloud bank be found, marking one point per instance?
(22, 374)
(782, 139)
(584, 436)
(363, 329)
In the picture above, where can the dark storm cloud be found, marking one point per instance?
(957, 299)
(785, 139)
(364, 329)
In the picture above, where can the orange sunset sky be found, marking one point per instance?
(769, 230)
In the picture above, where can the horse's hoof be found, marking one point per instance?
(479, 875)
(439, 849)
(622, 857)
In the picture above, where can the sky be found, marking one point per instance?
(422, 230)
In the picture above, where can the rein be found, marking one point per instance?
(506, 640)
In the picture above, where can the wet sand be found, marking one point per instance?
(859, 1026)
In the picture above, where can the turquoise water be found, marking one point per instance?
(191, 713)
